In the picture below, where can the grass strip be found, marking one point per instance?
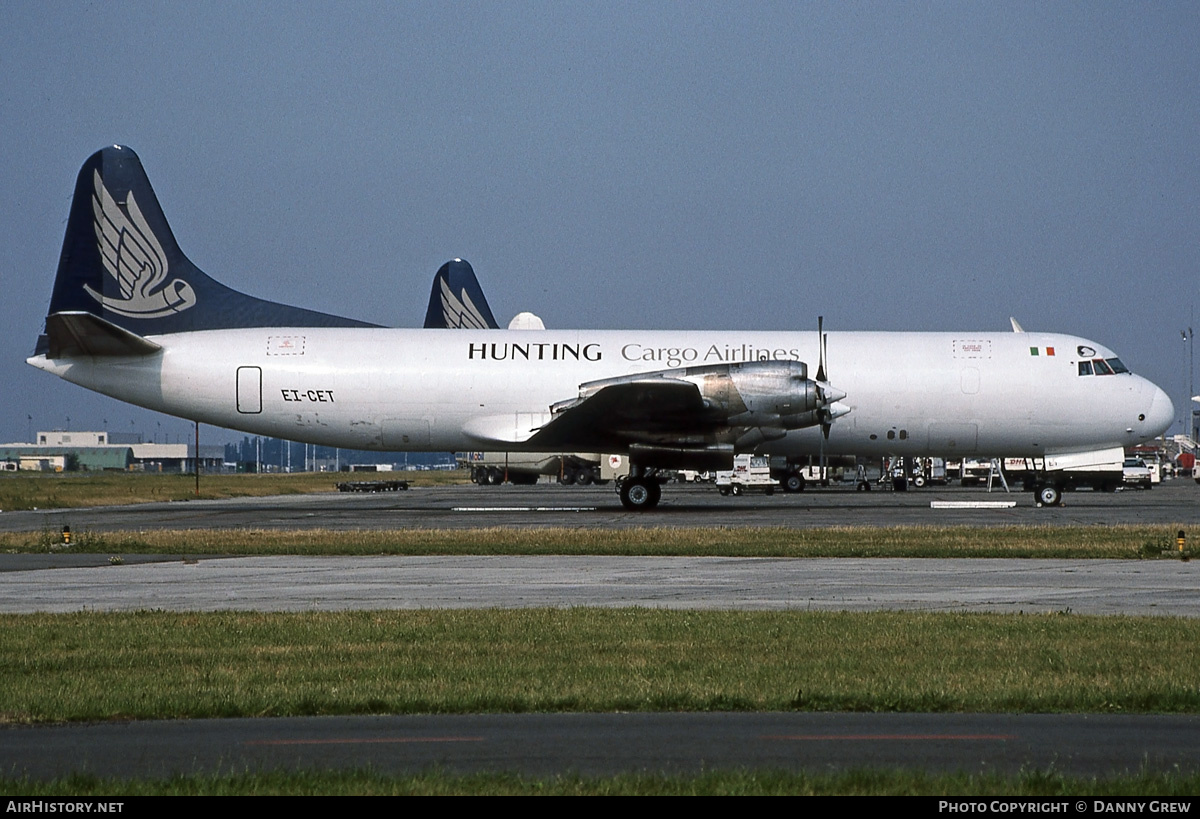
(1082, 542)
(713, 783)
(155, 665)
(74, 490)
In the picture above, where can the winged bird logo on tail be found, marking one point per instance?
(133, 256)
(461, 314)
(456, 301)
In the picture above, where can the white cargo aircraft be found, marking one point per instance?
(133, 318)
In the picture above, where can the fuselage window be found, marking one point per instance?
(1085, 368)
(1102, 367)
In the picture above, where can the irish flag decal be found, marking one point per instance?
(1041, 351)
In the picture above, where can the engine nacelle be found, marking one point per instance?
(773, 396)
(694, 415)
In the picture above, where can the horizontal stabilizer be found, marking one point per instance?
(76, 333)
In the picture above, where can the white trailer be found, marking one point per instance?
(1048, 477)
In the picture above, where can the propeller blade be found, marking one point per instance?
(821, 348)
(823, 377)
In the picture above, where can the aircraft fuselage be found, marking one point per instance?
(1011, 394)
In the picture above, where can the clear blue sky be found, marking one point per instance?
(903, 166)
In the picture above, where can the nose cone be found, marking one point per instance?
(1161, 414)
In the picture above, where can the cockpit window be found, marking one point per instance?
(1102, 366)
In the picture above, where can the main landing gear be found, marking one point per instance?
(640, 491)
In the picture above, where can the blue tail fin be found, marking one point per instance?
(120, 262)
(456, 301)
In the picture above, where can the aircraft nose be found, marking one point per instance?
(1161, 413)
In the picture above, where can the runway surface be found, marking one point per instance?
(539, 744)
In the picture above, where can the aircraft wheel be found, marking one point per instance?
(638, 495)
(655, 493)
(793, 482)
(1049, 495)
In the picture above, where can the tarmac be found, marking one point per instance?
(468, 506)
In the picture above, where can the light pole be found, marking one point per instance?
(1191, 426)
(1189, 338)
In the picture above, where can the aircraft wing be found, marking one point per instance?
(616, 414)
(695, 414)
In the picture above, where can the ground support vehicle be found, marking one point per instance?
(1136, 473)
(750, 473)
(972, 471)
(793, 475)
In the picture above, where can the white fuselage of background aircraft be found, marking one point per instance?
(993, 394)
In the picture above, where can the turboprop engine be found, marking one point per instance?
(702, 414)
(777, 396)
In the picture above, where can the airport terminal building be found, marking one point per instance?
(69, 451)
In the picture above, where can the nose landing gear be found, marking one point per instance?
(1048, 494)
